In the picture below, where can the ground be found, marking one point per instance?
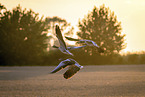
(91, 81)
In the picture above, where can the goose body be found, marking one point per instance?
(87, 42)
(73, 68)
(63, 48)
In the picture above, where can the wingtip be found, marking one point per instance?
(66, 76)
(67, 37)
(57, 27)
(54, 46)
(100, 50)
(50, 73)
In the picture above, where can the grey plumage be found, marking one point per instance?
(87, 42)
(73, 68)
(63, 48)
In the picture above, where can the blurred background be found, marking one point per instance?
(27, 31)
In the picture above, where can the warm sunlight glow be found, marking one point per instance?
(129, 12)
(71, 42)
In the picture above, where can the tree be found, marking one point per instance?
(65, 27)
(23, 36)
(101, 26)
(52, 21)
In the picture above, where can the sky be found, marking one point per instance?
(130, 13)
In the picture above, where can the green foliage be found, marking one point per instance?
(23, 36)
(101, 26)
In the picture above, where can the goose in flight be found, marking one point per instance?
(70, 48)
(63, 48)
(72, 69)
(87, 42)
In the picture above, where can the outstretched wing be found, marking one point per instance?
(61, 65)
(71, 71)
(70, 48)
(100, 50)
(54, 46)
(72, 39)
(59, 36)
(88, 42)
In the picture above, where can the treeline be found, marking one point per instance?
(25, 39)
(96, 59)
(24, 36)
(54, 57)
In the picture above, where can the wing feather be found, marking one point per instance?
(88, 42)
(71, 71)
(72, 39)
(61, 65)
(59, 36)
(70, 48)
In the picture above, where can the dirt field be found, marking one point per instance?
(91, 81)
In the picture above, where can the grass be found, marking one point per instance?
(92, 81)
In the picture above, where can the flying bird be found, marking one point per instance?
(87, 42)
(73, 67)
(63, 48)
(70, 48)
